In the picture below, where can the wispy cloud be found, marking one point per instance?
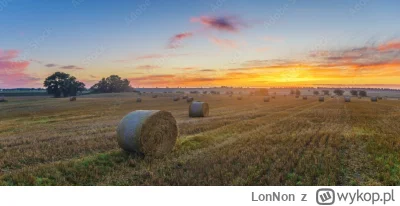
(223, 23)
(223, 43)
(208, 70)
(71, 67)
(176, 40)
(145, 67)
(8, 54)
(51, 65)
(390, 46)
(13, 72)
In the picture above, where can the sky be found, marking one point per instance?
(202, 43)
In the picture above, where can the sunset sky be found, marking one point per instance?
(192, 43)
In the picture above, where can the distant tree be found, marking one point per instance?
(338, 92)
(61, 83)
(326, 92)
(316, 92)
(354, 92)
(113, 83)
(298, 92)
(362, 93)
(262, 92)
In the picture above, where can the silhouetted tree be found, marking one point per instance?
(261, 92)
(338, 92)
(354, 92)
(326, 92)
(61, 83)
(113, 83)
(362, 93)
(298, 92)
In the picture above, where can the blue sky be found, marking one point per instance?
(93, 39)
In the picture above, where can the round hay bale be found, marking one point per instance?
(304, 97)
(185, 97)
(198, 109)
(297, 96)
(72, 99)
(155, 96)
(359, 97)
(189, 99)
(273, 97)
(149, 132)
(374, 99)
(139, 99)
(380, 98)
(332, 96)
(239, 98)
(176, 99)
(2, 99)
(347, 99)
(321, 99)
(266, 99)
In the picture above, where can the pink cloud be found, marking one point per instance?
(227, 23)
(224, 43)
(389, 46)
(13, 72)
(175, 41)
(8, 54)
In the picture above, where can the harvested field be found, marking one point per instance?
(47, 141)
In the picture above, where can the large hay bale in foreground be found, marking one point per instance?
(149, 132)
(139, 99)
(321, 99)
(347, 99)
(176, 99)
(239, 98)
(198, 109)
(266, 99)
(189, 99)
(374, 99)
(304, 97)
(72, 99)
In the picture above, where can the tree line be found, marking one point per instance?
(63, 84)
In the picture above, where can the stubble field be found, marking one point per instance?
(287, 141)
